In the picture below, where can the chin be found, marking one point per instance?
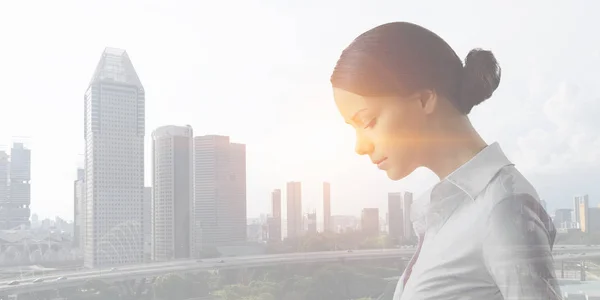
(397, 174)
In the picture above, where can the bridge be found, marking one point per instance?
(134, 273)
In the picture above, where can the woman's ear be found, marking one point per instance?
(428, 100)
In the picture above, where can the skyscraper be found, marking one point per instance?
(326, 206)
(15, 193)
(114, 120)
(294, 209)
(4, 189)
(275, 220)
(576, 214)
(220, 192)
(406, 208)
(78, 209)
(147, 225)
(593, 225)
(584, 212)
(172, 190)
(395, 217)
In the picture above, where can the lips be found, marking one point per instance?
(380, 161)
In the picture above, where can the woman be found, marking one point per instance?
(482, 232)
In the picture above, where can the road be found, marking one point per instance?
(182, 266)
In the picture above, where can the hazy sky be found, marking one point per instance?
(259, 72)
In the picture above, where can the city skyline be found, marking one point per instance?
(547, 95)
(326, 201)
(208, 158)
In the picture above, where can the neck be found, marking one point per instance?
(457, 143)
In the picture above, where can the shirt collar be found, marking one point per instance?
(471, 179)
(474, 176)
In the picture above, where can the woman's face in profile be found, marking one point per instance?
(389, 130)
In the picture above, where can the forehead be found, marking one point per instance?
(349, 103)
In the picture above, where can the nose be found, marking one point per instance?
(363, 145)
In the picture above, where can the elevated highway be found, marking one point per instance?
(142, 271)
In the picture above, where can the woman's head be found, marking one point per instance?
(403, 89)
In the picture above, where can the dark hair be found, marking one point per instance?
(400, 58)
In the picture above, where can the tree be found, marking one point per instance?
(101, 289)
(173, 286)
(200, 283)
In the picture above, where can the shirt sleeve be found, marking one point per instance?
(517, 249)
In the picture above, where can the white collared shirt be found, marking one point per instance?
(486, 236)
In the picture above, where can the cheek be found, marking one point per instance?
(401, 133)
(401, 139)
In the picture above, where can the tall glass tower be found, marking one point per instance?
(114, 120)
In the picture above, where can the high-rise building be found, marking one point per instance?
(395, 217)
(114, 127)
(220, 192)
(275, 221)
(584, 212)
(576, 212)
(326, 206)
(4, 189)
(593, 223)
(370, 221)
(14, 207)
(147, 225)
(294, 209)
(172, 190)
(78, 210)
(407, 201)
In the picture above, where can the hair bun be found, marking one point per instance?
(481, 77)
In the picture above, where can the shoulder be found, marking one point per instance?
(507, 184)
(518, 236)
(512, 209)
(508, 190)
